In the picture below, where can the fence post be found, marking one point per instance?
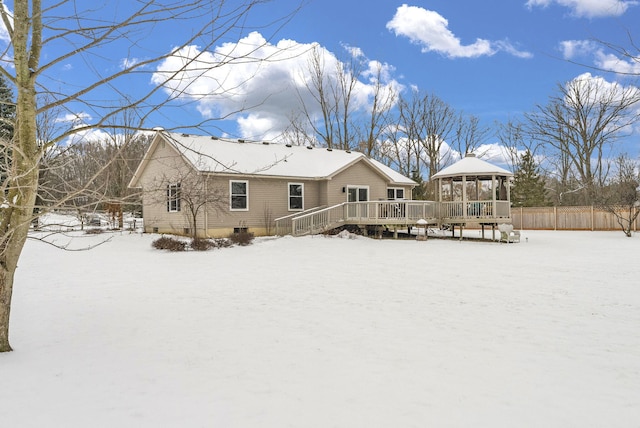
(555, 218)
(593, 226)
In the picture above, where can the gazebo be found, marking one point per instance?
(473, 191)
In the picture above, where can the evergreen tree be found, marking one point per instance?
(7, 118)
(420, 191)
(7, 110)
(528, 185)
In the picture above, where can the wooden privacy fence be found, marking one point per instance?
(569, 218)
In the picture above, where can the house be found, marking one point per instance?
(215, 186)
(470, 193)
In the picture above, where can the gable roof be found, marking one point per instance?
(220, 155)
(472, 166)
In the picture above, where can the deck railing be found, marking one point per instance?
(284, 224)
(318, 221)
(390, 213)
(474, 209)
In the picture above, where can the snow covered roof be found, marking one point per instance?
(471, 165)
(213, 154)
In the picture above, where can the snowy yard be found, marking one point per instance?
(328, 332)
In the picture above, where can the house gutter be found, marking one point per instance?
(206, 211)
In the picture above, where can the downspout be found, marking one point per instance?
(206, 211)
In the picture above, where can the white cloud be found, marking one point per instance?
(575, 49)
(88, 135)
(354, 51)
(74, 118)
(589, 8)
(506, 46)
(430, 30)
(81, 134)
(259, 84)
(4, 34)
(604, 88)
(601, 90)
(616, 64)
(495, 153)
(127, 63)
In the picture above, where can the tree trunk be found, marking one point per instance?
(6, 288)
(17, 214)
(7, 269)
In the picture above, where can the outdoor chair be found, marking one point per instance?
(507, 234)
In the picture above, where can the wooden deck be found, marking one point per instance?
(393, 214)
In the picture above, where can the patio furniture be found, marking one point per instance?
(507, 234)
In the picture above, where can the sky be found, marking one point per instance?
(541, 333)
(493, 59)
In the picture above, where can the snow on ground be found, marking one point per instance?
(327, 332)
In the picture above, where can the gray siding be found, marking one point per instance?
(165, 167)
(267, 196)
(359, 174)
(268, 200)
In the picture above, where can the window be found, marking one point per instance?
(394, 193)
(296, 196)
(173, 197)
(239, 194)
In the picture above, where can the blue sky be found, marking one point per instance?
(493, 59)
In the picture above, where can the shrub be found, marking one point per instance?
(222, 242)
(93, 231)
(199, 244)
(241, 238)
(167, 243)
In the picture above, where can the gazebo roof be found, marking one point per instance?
(470, 165)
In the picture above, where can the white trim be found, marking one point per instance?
(174, 200)
(289, 196)
(358, 187)
(395, 193)
(246, 182)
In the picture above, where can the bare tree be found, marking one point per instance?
(321, 89)
(191, 193)
(344, 121)
(469, 135)
(621, 197)
(80, 30)
(427, 123)
(581, 123)
(383, 99)
(511, 137)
